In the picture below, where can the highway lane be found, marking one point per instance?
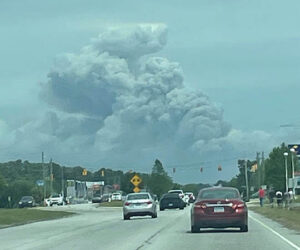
(103, 228)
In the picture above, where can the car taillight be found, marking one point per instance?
(149, 202)
(200, 205)
(127, 203)
(238, 206)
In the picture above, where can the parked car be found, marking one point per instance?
(219, 207)
(116, 197)
(56, 199)
(171, 201)
(27, 201)
(139, 204)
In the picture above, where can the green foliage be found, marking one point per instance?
(275, 167)
(159, 181)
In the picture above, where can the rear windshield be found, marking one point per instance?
(219, 194)
(175, 192)
(171, 196)
(138, 197)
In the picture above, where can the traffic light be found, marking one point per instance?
(219, 168)
(201, 170)
(102, 173)
(84, 172)
(174, 170)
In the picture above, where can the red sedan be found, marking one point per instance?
(219, 207)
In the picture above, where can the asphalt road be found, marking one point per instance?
(104, 228)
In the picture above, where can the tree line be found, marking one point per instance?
(18, 178)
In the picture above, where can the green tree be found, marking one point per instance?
(159, 181)
(275, 167)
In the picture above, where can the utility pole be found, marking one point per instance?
(258, 170)
(246, 179)
(263, 168)
(62, 182)
(44, 176)
(51, 177)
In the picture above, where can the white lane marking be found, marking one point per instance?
(274, 232)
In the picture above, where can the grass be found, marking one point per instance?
(288, 218)
(297, 199)
(13, 217)
(111, 204)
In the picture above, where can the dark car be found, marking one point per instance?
(96, 199)
(106, 198)
(27, 201)
(219, 207)
(171, 201)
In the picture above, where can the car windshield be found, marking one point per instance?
(219, 194)
(26, 198)
(55, 196)
(138, 197)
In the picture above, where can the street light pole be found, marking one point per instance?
(293, 170)
(286, 171)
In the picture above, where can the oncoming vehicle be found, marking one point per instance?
(219, 208)
(27, 201)
(139, 204)
(106, 198)
(116, 197)
(56, 199)
(96, 199)
(171, 201)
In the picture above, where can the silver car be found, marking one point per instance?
(139, 204)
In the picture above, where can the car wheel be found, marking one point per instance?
(195, 229)
(161, 209)
(244, 228)
(126, 217)
(154, 215)
(181, 208)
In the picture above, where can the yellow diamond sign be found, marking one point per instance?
(136, 190)
(136, 180)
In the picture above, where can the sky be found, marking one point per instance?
(120, 83)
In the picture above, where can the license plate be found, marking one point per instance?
(170, 204)
(218, 209)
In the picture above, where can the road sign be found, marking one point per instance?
(136, 180)
(136, 190)
(40, 183)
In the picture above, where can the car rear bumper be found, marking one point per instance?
(235, 220)
(138, 211)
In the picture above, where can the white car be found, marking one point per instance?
(56, 199)
(116, 197)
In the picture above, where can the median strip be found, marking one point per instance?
(15, 217)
